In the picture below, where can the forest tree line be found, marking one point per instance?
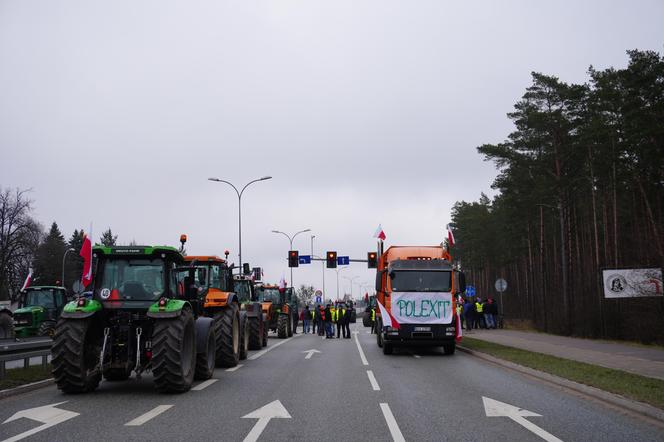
(25, 244)
(580, 189)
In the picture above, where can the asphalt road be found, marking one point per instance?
(333, 395)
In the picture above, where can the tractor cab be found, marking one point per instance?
(40, 308)
(212, 277)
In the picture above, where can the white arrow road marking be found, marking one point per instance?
(273, 410)
(372, 379)
(272, 347)
(359, 348)
(494, 408)
(47, 415)
(392, 423)
(310, 353)
(206, 384)
(140, 420)
(237, 367)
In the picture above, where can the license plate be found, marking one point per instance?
(422, 329)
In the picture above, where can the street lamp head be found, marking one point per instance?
(307, 230)
(276, 231)
(265, 178)
(214, 179)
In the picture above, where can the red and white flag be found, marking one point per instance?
(459, 332)
(379, 233)
(450, 235)
(282, 284)
(86, 254)
(388, 319)
(28, 280)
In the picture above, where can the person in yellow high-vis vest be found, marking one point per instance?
(341, 314)
(479, 317)
(373, 320)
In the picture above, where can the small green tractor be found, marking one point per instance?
(141, 316)
(283, 305)
(39, 309)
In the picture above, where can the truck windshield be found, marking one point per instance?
(418, 281)
(134, 279)
(40, 298)
(268, 294)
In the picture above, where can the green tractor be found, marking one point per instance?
(255, 316)
(283, 306)
(140, 317)
(39, 311)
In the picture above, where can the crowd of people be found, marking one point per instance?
(478, 314)
(322, 320)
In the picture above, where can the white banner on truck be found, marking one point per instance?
(632, 283)
(422, 307)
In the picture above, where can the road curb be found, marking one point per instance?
(26, 388)
(618, 401)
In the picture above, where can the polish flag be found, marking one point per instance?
(282, 284)
(450, 235)
(388, 319)
(28, 280)
(379, 233)
(86, 254)
(459, 333)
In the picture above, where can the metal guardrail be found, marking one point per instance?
(14, 350)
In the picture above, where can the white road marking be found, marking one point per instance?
(140, 420)
(416, 356)
(47, 415)
(359, 348)
(205, 384)
(391, 423)
(237, 367)
(272, 347)
(372, 379)
(310, 353)
(273, 410)
(494, 408)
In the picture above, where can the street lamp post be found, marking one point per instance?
(239, 208)
(339, 270)
(290, 239)
(351, 284)
(322, 262)
(64, 258)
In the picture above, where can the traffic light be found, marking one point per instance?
(293, 258)
(331, 260)
(372, 260)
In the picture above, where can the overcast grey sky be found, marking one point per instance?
(364, 112)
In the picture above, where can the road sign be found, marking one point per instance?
(305, 259)
(319, 296)
(501, 285)
(470, 290)
(343, 260)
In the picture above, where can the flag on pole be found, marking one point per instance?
(86, 254)
(450, 235)
(282, 284)
(380, 234)
(459, 332)
(28, 280)
(388, 319)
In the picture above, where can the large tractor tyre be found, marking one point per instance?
(255, 334)
(117, 374)
(75, 352)
(366, 321)
(46, 328)
(205, 361)
(244, 339)
(174, 353)
(449, 348)
(227, 334)
(266, 326)
(6, 326)
(282, 326)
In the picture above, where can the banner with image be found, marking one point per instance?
(632, 283)
(422, 307)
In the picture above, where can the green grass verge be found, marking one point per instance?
(21, 376)
(630, 385)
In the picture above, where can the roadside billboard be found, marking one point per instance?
(632, 283)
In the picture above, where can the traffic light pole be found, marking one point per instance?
(290, 240)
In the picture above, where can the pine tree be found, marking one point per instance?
(108, 239)
(48, 260)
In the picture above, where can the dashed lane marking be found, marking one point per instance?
(204, 385)
(372, 379)
(237, 367)
(397, 436)
(359, 348)
(140, 420)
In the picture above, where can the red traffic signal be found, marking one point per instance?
(372, 260)
(331, 260)
(293, 258)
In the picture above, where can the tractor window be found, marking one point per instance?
(242, 290)
(219, 278)
(269, 294)
(40, 298)
(132, 279)
(201, 276)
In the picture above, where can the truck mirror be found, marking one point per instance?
(378, 281)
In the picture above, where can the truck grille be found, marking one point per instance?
(23, 319)
(422, 335)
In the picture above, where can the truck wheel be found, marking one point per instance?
(282, 326)
(75, 352)
(379, 334)
(387, 348)
(227, 334)
(244, 339)
(6, 326)
(174, 353)
(266, 326)
(117, 374)
(46, 328)
(449, 348)
(255, 334)
(205, 361)
(366, 321)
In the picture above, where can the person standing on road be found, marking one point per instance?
(479, 317)
(347, 316)
(339, 316)
(306, 317)
(488, 314)
(469, 313)
(373, 320)
(328, 321)
(459, 311)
